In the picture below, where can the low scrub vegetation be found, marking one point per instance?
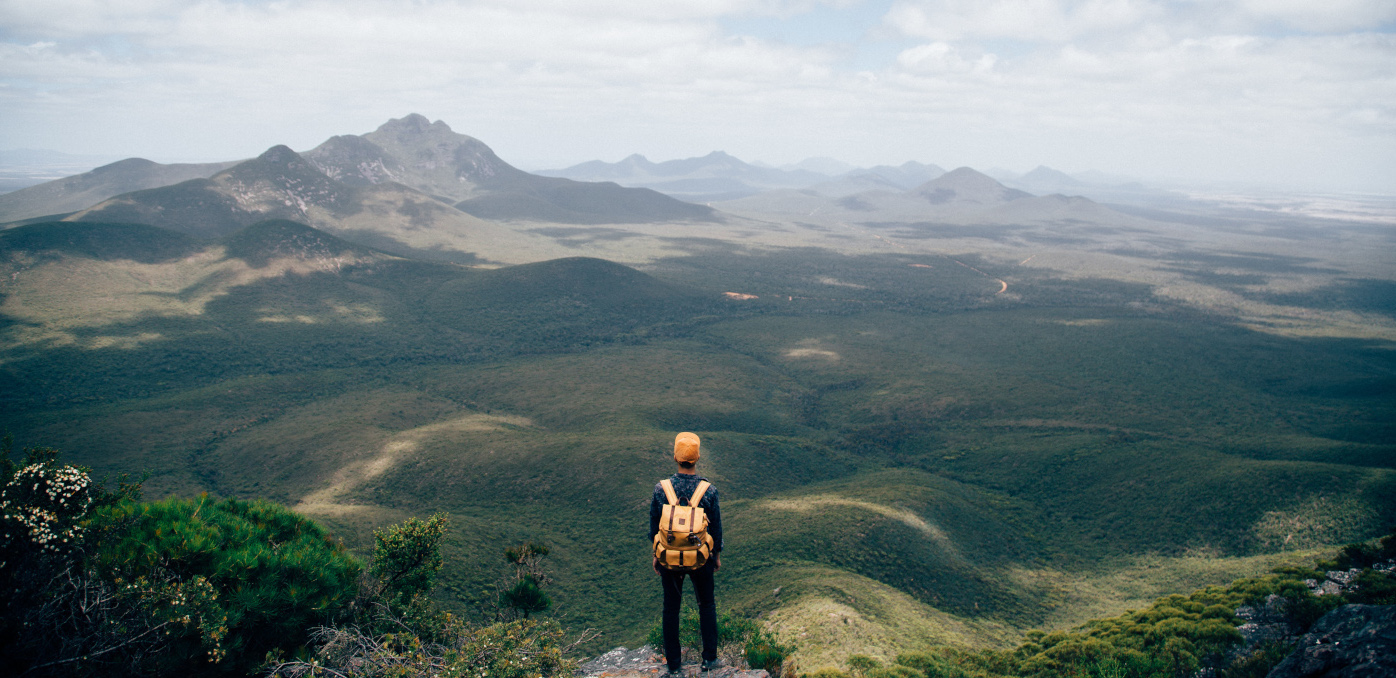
(1176, 636)
(97, 580)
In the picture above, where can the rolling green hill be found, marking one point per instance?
(574, 202)
(105, 242)
(907, 454)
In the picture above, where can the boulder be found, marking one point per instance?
(1353, 641)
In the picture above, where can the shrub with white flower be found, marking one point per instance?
(42, 505)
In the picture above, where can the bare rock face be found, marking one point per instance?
(646, 662)
(1353, 641)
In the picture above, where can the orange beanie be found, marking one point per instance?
(686, 447)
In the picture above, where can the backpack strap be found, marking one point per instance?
(668, 486)
(703, 486)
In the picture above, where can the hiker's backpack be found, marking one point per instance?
(683, 542)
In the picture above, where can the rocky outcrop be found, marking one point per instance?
(1268, 622)
(1353, 641)
(645, 662)
(1335, 582)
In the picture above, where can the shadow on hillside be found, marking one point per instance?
(584, 236)
(392, 245)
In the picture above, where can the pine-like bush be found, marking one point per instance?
(270, 573)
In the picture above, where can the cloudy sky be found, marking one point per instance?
(1298, 92)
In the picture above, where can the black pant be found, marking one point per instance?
(707, 612)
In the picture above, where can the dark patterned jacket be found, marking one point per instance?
(684, 485)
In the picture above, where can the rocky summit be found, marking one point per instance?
(646, 662)
(1353, 641)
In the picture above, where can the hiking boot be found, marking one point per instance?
(711, 664)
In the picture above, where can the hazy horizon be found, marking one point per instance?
(1296, 94)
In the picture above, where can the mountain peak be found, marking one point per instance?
(280, 182)
(1046, 175)
(965, 184)
(967, 174)
(279, 159)
(127, 165)
(279, 154)
(412, 123)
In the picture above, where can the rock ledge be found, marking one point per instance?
(645, 662)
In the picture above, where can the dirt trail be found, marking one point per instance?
(928, 529)
(400, 445)
(1003, 285)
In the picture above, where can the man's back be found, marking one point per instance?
(685, 483)
(684, 486)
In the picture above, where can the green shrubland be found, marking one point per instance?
(97, 580)
(271, 574)
(1175, 636)
(956, 465)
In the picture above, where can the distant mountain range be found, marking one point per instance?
(962, 196)
(404, 157)
(410, 187)
(416, 188)
(719, 176)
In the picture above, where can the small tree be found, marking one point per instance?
(407, 557)
(525, 594)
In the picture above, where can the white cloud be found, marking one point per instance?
(1049, 20)
(940, 57)
(1321, 16)
(1136, 86)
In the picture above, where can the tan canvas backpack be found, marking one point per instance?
(683, 542)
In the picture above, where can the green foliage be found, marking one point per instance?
(946, 663)
(1176, 636)
(764, 651)
(731, 629)
(527, 596)
(860, 665)
(270, 574)
(426, 641)
(894, 671)
(406, 557)
(1363, 555)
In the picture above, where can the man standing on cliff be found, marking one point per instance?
(685, 483)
